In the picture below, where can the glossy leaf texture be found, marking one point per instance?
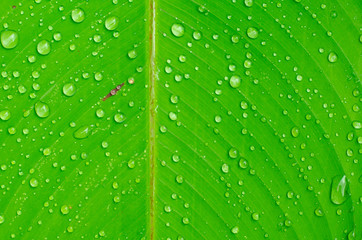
(238, 119)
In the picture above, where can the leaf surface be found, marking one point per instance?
(236, 120)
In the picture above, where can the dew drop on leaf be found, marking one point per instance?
(43, 47)
(111, 23)
(248, 3)
(177, 30)
(57, 36)
(132, 54)
(235, 81)
(339, 189)
(9, 39)
(119, 117)
(243, 163)
(255, 216)
(225, 168)
(357, 125)
(167, 209)
(2, 219)
(179, 179)
(252, 32)
(235, 230)
(33, 183)
(332, 57)
(64, 209)
(69, 89)
(196, 35)
(82, 132)
(233, 153)
(318, 212)
(295, 132)
(100, 113)
(42, 109)
(78, 15)
(5, 115)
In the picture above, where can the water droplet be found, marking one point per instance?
(82, 132)
(252, 32)
(318, 212)
(172, 116)
(43, 47)
(64, 209)
(175, 158)
(69, 89)
(57, 36)
(167, 209)
(131, 164)
(185, 220)
(2, 220)
(177, 30)
(132, 54)
(225, 168)
(100, 113)
(295, 132)
(116, 199)
(33, 183)
(243, 163)
(339, 190)
(235, 81)
(248, 3)
(78, 15)
(47, 152)
(9, 39)
(42, 109)
(174, 99)
(98, 76)
(233, 153)
(119, 117)
(357, 125)
(179, 179)
(255, 216)
(111, 23)
(235, 230)
(197, 35)
(332, 57)
(5, 115)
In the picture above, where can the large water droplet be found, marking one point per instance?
(43, 47)
(33, 183)
(42, 109)
(177, 30)
(9, 39)
(235, 81)
(82, 132)
(332, 57)
(5, 115)
(111, 23)
(69, 89)
(119, 117)
(339, 190)
(252, 32)
(295, 132)
(78, 15)
(64, 209)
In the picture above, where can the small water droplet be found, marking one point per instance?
(119, 117)
(197, 35)
(33, 183)
(42, 109)
(225, 168)
(69, 89)
(82, 132)
(100, 113)
(43, 47)
(9, 39)
(233, 153)
(332, 57)
(339, 190)
(252, 32)
(132, 54)
(295, 132)
(5, 115)
(318, 212)
(64, 209)
(78, 15)
(111, 23)
(255, 216)
(235, 230)
(177, 30)
(248, 3)
(235, 81)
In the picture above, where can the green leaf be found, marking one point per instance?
(180, 119)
